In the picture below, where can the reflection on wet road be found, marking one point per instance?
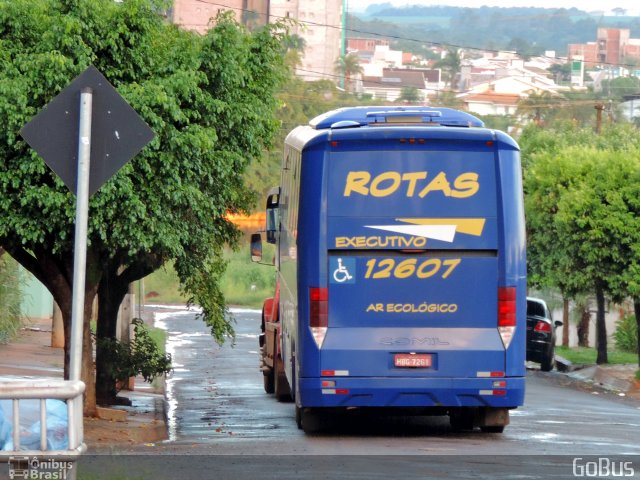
(216, 404)
(216, 391)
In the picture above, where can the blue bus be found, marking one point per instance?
(400, 259)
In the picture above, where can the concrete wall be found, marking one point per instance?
(612, 316)
(37, 302)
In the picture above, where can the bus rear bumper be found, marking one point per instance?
(412, 392)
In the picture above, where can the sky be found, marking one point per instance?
(632, 6)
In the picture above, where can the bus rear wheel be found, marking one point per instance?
(493, 429)
(281, 387)
(310, 420)
(268, 382)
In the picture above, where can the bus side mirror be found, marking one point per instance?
(273, 204)
(256, 247)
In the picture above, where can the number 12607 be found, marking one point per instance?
(388, 267)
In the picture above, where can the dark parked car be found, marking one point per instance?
(541, 334)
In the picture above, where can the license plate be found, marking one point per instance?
(412, 360)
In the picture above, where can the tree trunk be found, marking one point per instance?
(110, 296)
(583, 326)
(88, 370)
(601, 328)
(87, 374)
(565, 322)
(57, 327)
(636, 310)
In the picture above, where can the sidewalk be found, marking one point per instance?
(618, 379)
(30, 355)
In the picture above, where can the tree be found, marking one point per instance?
(209, 99)
(410, 95)
(450, 63)
(348, 66)
(621, 86)
(561, 72)
(581, 203)
(538, 106)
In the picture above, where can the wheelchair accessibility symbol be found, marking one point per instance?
(343, 270)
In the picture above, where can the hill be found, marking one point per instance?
(529, 30)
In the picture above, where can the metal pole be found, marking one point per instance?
(343, 42)
(80, 245)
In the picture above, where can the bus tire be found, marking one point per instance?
(281, 387)
(463, 419)
(299, 417)
(493, 429)
(268, 382)
(310, 420)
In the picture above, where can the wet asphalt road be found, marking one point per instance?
(219, 417)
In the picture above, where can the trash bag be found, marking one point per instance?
(57, 425)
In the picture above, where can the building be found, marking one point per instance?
(495, 85)
(321, 31)
(198, 16)
(492, 103)
(320, 26)
(613, 46)
(387, 85)
(365, 44)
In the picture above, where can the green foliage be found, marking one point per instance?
(450, 64)
(497, 122)
(582, 212)
(210, 101)
(621, 86)
(163, 287)
(447, 98)
(244, 283)
(10, 298)
(300, 101)
(143, 356)
(247, 283)
(582, 204)
(626, 334)
(580, 196)
(348, 66)
(410, 95)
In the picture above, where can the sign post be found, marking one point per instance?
(80, 240)
(85, 143)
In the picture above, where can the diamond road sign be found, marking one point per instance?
(117, 134)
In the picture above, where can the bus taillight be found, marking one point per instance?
(318, 313)
(506, 314)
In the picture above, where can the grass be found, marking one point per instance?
(159, 337)
(244, 283)
(163, 287)
(588, 355)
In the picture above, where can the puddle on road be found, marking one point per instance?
(175, 340)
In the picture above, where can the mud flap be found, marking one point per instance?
(492, 418)
(282, 388)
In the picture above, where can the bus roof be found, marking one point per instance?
(385, 115)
